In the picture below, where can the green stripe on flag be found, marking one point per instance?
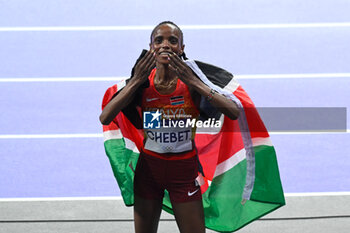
(123, 162)
(268, 187)
(222, 201)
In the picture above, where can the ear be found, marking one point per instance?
(182, 49)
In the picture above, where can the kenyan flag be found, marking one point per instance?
(241, 179)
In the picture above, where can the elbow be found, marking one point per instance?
(234, 115)
(103, 120)
(235, 112)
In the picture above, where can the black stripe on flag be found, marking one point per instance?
(216, 75)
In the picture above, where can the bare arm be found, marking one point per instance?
(126, 95)
(223, 104)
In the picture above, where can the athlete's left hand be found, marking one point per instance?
(185, 73)
(182, 70)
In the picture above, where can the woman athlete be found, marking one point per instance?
(168, 160)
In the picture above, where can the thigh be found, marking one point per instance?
(185, 195)
(189, 216)
(181, 181)
(148, 183)
(146, 214)
(148, 194)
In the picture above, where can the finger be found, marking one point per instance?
(172, 59)
(177, 58)
(178, 67)
(142, 68)
(173, 66)
(176, 70)
(146, 58)
(151, 64)
(152, 58)
(177, 62)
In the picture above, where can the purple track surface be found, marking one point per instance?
(76, 167)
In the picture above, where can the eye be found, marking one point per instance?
(173, 40)
(158, 40)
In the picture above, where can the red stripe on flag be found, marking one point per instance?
(127, 129)
(256, 125)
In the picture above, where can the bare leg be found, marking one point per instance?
(189, 216)
(146, 215)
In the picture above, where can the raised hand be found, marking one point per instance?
(223, 104)
(143, 68)
(126, 95)
(182, 70)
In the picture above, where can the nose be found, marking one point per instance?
(165, 44)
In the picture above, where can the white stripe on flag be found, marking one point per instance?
(131, 145)
(112, 134)
(230, 163)
(121, 84)
(262, 141)
(232, 85)
(239, 156)
(117, 134)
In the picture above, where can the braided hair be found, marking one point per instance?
(183, 55)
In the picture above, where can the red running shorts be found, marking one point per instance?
(154, 175)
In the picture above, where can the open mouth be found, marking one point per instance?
(166, 53)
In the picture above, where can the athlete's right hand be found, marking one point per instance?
(143, 68)
(141, 72)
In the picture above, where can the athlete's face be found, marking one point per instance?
(166, 39)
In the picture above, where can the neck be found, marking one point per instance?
(164, 73)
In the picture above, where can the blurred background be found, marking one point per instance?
(58, 57)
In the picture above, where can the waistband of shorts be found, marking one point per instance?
(171, 156)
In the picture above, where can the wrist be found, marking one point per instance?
(211, 94)
(194, 82)
(135, 82)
